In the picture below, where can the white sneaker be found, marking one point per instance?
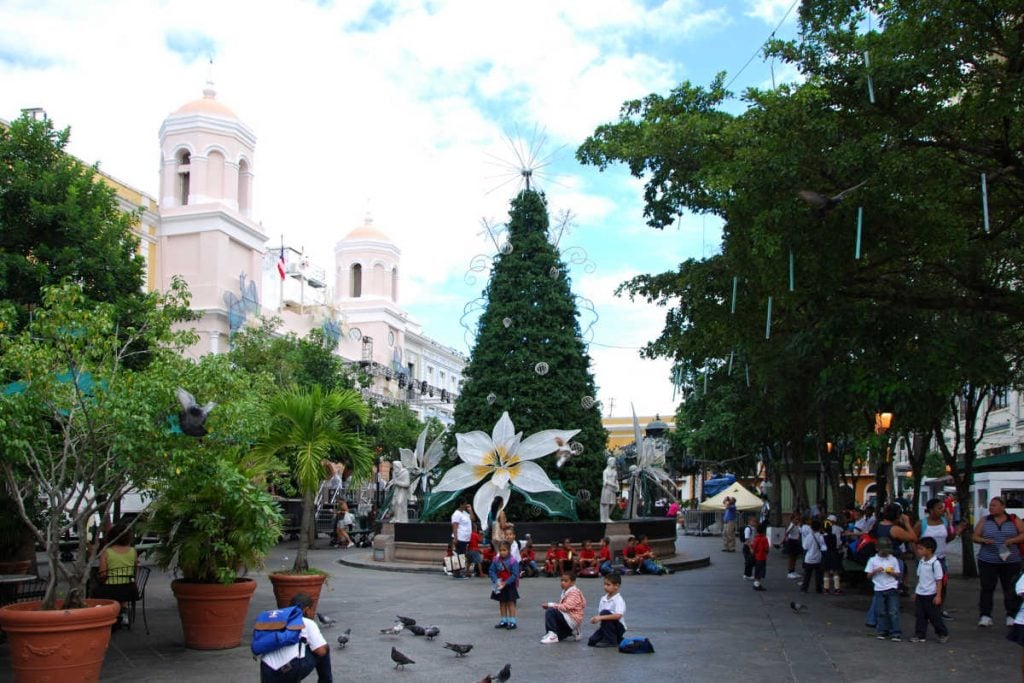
(1009, 621)
(577, 636)
(985, 621)
(350, 544)
(793, 575)
(549, 638)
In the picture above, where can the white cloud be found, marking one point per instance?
(769, 11)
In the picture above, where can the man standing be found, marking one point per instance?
(462, 529)
(729, 522)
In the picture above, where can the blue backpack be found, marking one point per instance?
(275, 629)
(636, 646)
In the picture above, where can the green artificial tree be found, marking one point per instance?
(530, 360)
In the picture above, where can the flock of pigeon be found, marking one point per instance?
(430, 632)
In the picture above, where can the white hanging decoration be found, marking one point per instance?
(506, 248)
(554, 272)
(507, 322)
(587, 402)
(541, 368)
(491, 398)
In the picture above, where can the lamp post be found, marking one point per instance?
(883, 421)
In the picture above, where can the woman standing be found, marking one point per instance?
(998, 559)
(938, 525)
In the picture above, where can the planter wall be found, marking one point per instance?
(16, 567)
(286, 586)
(60, 644)
(213, 614)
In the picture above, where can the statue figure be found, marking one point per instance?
(401, 482)
(609, 490)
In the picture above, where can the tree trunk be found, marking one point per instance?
(307, 532)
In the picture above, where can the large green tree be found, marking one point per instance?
(59, 220)
(900, 294)
(529, 359)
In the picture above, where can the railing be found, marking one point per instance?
(702, 522)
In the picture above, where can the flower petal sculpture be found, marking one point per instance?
(650, 463)
(420, 462)
(505, 458)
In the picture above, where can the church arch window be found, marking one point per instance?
(183, 168)
(355, 285)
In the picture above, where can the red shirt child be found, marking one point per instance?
(760, 548)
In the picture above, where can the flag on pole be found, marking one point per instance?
(281, 263)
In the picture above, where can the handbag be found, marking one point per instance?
(455, 562)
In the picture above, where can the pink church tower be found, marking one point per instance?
(207, 235)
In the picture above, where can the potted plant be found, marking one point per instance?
(307, 426)
(214, 522)
(82, 422)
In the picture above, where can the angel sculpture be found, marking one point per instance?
(649, 469)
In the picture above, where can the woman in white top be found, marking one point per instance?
(936, 525)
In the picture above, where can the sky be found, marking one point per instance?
(416, 113)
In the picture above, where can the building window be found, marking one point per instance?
(244, 182)
(356, 281)
(1000, 398)
(184, 170)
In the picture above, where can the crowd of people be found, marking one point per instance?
(884, 547)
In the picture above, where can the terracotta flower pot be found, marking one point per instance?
(213, 614)
(58, 644)
(286, 585)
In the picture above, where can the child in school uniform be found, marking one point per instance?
(814, 545)
(504, 574)
(562, 619)
(928, 595)
(759, 548)
(884, 570)
(611, 612)
(604, 557)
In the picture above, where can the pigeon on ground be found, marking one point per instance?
(823, 204)
(406, 621)
(503, 675)
(431, 631)
(343, 638)
(192, 418)
(797, 607)
(459, 650)
(394, 630)
(417, 630)
(325, 620)
(399, 659)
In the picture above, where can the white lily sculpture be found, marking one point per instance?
(505, 457)
(420, 462)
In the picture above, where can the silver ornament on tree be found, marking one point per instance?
(491, 398)
(507, 322)
(506, 248)
(541, 368)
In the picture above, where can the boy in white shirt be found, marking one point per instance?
(928, 596)
(611, 611)
(295, 662)
(884, 570)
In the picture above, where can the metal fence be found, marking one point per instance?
(702, 522)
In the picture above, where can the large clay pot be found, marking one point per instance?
(58, 644)
(213, 614)
(286, 585)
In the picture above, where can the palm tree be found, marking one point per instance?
(307, 425)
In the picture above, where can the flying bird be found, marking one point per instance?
(417, 630)
(343, 638)
(325, 620)
(406, 621)
(431, 631)
(394, 630)
(797, 607)
(823, 204)
(459, 650)
(503, 675)
(399, 659)
(192, 418)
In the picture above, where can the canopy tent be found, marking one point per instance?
(745, 500)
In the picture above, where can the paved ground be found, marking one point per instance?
(706, 624)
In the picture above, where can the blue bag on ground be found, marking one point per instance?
(275, 629)
(636, 646)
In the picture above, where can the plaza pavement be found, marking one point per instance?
(706, 624)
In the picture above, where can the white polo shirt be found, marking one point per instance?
(281, 656)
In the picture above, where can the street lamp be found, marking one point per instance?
(883, 421)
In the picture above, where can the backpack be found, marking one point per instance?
(275, 629)
(636, 646)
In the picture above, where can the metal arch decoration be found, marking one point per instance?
(481, 263)
(586, 306)
(470, 314)
(578, 256)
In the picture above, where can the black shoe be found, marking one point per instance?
(511, 627)
(501, 624)
(604, 643)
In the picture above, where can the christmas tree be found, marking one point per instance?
(530, 361)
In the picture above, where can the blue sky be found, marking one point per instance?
(402, 109)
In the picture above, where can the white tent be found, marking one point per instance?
(745, 500)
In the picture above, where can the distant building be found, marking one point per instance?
(201, 229)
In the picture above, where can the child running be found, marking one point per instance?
(504, 574)
(928, 596)
(610, 615)
(563, 618)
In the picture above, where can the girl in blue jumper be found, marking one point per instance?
(504, 574)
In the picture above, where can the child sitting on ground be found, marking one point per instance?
(528, 567)
(587, 558)
(629, 557)
(551, 561)
(610, 615)
(648, 565)
(569, 557)
(604, 557)
(563, 618)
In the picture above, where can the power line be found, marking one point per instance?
(761, 47)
